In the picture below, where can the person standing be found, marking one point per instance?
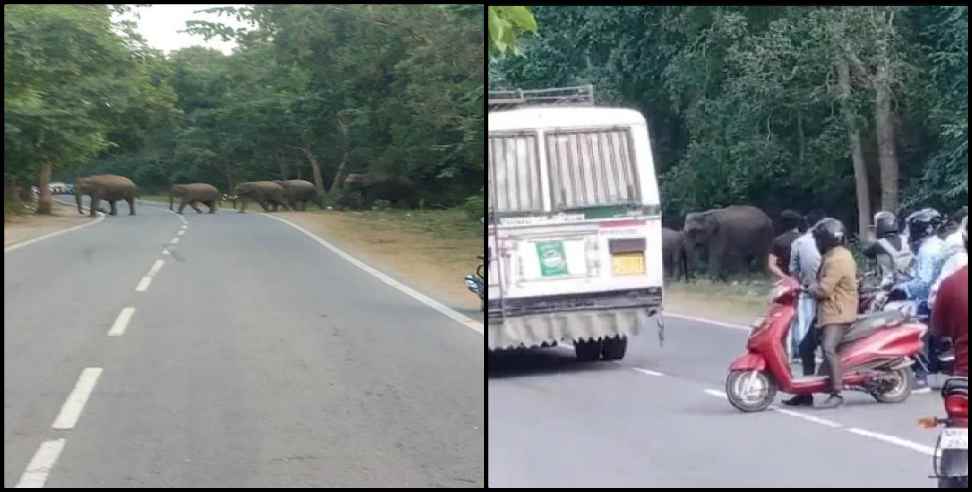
(836, 292)
(804, 263)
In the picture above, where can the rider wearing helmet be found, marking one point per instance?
(950, 316)
(836, 293)
(891, 250)
(923, 228)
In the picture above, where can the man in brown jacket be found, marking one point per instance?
(836, 293)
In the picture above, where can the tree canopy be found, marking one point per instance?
(747, 105)
(312, 91)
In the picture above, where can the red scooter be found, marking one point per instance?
(951, 459)
(876, 355)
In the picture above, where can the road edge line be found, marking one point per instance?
(23, 243)
(428, 301)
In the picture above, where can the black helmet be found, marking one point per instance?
(829, 232)
(885, 223)
(924, 223)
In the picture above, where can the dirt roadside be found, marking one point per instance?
(19, 228)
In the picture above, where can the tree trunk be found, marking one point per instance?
(854, 138)
(44, 201)
(283, 167)
(346, 147)
(884, 122)
(316, 166)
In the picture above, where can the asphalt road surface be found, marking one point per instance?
(659, 418)
(244, 354)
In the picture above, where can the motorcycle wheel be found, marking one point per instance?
(750, 391)
(953, 482)
(904, 382)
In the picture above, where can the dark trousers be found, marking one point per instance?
(828, 338)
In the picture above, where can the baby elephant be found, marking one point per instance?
(191, 193)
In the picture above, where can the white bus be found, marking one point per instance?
(574, 234)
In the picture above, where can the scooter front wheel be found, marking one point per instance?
(750, 391)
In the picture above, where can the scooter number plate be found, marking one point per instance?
(955, 439)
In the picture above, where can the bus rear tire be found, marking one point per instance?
(588, 350)
(615, 347)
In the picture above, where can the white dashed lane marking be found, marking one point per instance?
(35, 476)
(121, 322)
(897, 441)
(72, 408)
(175, 240)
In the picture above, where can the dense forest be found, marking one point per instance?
(312, 92)
(852, 109)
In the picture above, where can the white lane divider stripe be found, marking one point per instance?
(143, 284)
(897, 441)
(708, 321)
(156, 267)
(165, 251)
(648, 372)
(35, 476)
(181, 232)
(810, 418)
(72, 408)
(175, 240)
(928, 450)
(121, 322)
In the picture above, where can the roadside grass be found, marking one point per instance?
(736, 300)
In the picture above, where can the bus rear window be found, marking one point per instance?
(514, 173)
(591, 168)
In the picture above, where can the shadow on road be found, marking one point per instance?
(539, 361)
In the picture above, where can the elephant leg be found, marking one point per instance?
(265, 205)
(114, 207)
(212, 206)
(94, 205)
(242, 205)
(131, 205)
(194, 207)
(182, 205)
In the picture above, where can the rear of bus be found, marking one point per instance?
(575, 227)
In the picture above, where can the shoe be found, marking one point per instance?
(800, 401)
(833, 401)
(921, 382)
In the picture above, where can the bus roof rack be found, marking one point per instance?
(504, 100)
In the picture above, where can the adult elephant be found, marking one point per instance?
(190, 194)
(674, 254)
(731, 237)
(106, 187)
(266, 193)
(299, 192)
(364, 189)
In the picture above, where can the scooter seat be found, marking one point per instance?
(869, 324)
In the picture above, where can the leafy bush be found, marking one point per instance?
(475, 206)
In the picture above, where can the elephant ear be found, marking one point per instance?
(712, 219)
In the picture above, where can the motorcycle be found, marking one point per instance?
(950, 463)
(877, 353)
(477, 284)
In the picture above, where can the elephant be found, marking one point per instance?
(191, 193)
(266, 193)
(674, 254)
(106, 187)
(730, 236)
(299, 192)
(360, 190)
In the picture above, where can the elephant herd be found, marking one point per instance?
(291, 194)
(730, 239)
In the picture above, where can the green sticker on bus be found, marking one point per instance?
(553, 262)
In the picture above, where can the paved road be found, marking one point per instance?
(656, 419)
(254, 357)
